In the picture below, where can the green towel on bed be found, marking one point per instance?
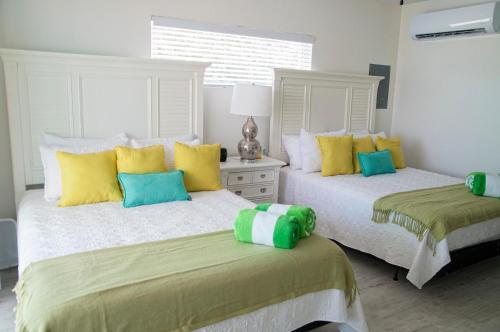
(270, 229)
(482, 184)
(305, 215)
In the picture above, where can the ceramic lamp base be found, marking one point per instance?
(249, 148)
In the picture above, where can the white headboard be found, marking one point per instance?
(95, 96)
(320, 101)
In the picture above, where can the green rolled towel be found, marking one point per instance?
(483, 184)
(305, 215)
(270, 229)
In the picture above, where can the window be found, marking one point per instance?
(237, 54)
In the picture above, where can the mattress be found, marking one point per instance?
(45, 231)
(344, 206)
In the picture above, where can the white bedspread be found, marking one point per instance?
(344, 206)
(45, 231)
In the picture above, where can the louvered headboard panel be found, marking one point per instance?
(320, 101)
(95, 96)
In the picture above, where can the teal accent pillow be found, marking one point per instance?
(152, 188)
(373, 163)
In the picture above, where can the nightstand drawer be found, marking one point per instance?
(254, 191)
(259, 200)
(263, 176)
(239, 178)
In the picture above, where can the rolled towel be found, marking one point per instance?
(483, 184)
(270, 229)
(305, 215)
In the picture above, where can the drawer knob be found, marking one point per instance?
(238, 192)
(262, 176)
(239, 178)
(263, 190)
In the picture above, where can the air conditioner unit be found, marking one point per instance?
(477, 19)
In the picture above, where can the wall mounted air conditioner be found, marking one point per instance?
(470, 20)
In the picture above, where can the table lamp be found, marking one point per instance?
(251, 100)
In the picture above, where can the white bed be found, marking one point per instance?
(344, 206)
(46, 231)
(320, 102)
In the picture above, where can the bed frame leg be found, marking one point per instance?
(396, 278)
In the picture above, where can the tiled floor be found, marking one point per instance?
(7, 299)
(465, 300)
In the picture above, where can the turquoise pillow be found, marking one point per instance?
(373, 163)
(153, 188)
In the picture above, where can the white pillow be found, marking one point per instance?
(168, 145)
(360, 133)
(52, 139)
(291, 143)
(159, 140)
(374, 136)
(309, 149)
(363, 133)
(52, 171)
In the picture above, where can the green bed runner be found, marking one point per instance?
(440, 210)
(174, 285)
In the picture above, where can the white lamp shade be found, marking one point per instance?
(252, 100)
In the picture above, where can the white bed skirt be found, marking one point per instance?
(344, 207)
(292, 314)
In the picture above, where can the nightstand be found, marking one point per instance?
(257, 182)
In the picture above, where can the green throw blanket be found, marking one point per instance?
(438, 210)
(174, 285)
(305, 215)
(273, 230)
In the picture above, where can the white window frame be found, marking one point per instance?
(226, 70)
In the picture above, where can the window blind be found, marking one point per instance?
(239, 55)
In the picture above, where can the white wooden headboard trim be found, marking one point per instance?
(292, 94)
(82, 94)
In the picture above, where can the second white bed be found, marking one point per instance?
(344, 206)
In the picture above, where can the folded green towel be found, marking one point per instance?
(482, 184)
(305, 215)
(270, 229)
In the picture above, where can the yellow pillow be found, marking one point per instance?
(142, 160)
(88, 178)
(336, 154)
(201, 166)
(361, 144)
(394, 146)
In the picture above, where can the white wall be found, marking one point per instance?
(350, 34)
(225, 128)
(448, 98)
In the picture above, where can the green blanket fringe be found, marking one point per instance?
(19, 290)
(412, 225)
